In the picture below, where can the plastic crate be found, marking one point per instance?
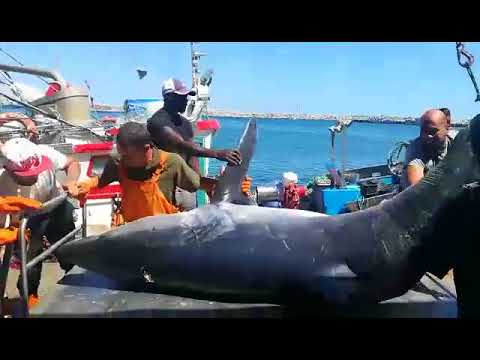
(335, 200)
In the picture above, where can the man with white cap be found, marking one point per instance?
(171, 132)
(29, 172)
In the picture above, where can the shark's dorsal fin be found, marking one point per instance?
(229, 183)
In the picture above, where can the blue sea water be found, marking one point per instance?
(303, 146)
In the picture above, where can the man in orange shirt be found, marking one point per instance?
(148, 176)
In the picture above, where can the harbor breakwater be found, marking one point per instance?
(375, 119)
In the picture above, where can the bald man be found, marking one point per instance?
(429, 148)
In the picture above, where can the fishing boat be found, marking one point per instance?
(68, 124)
(339, 189)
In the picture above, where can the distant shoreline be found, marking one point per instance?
(363, 119)
(378, 119)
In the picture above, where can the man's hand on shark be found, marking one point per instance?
(233, 157)
(209, 184)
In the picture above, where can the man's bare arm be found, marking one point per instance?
(109, 175)
(172, 140)
(414, 174)
(28, 123)
(72, 169)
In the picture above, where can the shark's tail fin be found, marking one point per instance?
(229, 183)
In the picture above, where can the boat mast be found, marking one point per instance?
(195, 71)
(196, 55)
(195, 64)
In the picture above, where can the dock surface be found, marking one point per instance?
(82, 293)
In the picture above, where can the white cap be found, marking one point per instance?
(289, 177)
(176, 86)
(24, 158)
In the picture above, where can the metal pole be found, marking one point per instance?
(343, 156)
(52, 248)
(4, 269)
(23, 247)
(193, 63)
(19, 63)
(52, 74)
(84, 219)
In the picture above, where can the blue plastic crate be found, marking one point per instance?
(335, 200)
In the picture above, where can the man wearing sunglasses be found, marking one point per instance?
(429, 148)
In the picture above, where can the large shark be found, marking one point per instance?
(231, 252)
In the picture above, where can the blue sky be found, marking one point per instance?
(337, 78)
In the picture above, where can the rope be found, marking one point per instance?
(57, 117)
(19, 63)
(393, 157)
(8, 81)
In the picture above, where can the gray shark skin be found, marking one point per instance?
(237, 253)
